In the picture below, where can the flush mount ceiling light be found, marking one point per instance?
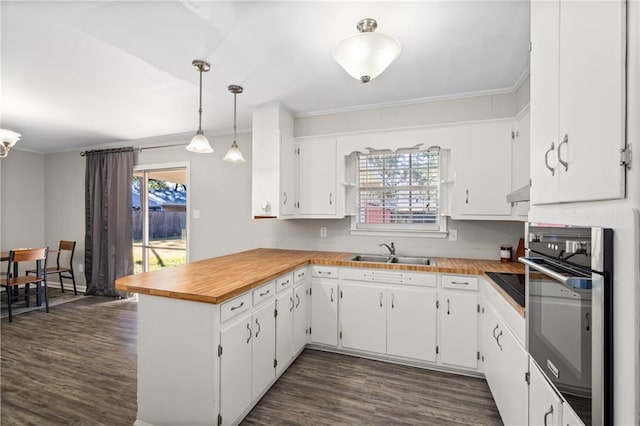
(234, 155)
(199, 143)
(366, 55)
(8, 139)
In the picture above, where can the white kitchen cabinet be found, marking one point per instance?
(284, 329)
(318, 195)
(577, 100)
(301, 316)
(482, 168)
(324, 312)
(288, 176)
(263, 349)
(520, 146)
(411, 323)
(569, 417)
(459, 328)
(545, 406)
(236, 368)
(363, 317)
(505, 366)
(272, 130)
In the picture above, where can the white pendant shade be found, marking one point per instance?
(9, 137)
(366, 55)
(199, 144)
(234, 155)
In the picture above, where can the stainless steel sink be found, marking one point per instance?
(371, 258)
(406, 260)
(401, 260)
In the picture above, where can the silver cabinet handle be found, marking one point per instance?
(467, 200)
(331, 198)
(498, 339)
(460, 282)
(298, 299)
(284, 282)
(546, 159)
(381, 299)
(265, 293)
(291, 300)
(547, 414)
(494, 331)
(331, 295)
(448, 306)
(587, 317)
(324, 272)
(259, 328)
(393, 301)
(233, 308)
(565, 140)
(285, 197)
(250, 333)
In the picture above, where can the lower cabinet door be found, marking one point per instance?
(506, 363)
(235, 369)
(411, 323)
(459, 332)
(363, 317)
(301, 316)
(545, 406)
(324, 312)
(284, 329)
(264, 349)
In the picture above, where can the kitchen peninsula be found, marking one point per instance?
(214, 335)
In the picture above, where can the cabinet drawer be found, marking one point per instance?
(389, 276)
(235, 306)
(284, 282)
(460, 282)
(320, 271)
(264, 292)
(300, 274)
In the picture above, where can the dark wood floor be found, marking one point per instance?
(77, 365)
(329, 389)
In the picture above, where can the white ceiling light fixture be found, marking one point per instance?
(234, 155)
(9, 139)
(199, 143)
(366, 55)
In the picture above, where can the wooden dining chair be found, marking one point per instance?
(65, 248)
(13, 280)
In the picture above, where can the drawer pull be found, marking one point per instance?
(265, 293)
(324, 272)
(233, 308)
(284, 282)
(460, 282)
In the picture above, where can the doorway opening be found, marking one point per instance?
(160, 222)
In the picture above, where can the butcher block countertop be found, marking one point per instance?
(222, 278)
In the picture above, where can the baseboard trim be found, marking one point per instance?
(67, 286)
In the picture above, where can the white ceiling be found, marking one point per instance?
(77, 74)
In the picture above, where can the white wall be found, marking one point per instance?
(23, 200)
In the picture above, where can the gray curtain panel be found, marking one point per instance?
(108, 220)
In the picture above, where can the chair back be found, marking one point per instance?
(39, 255)
(65, 252)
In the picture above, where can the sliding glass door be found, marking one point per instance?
(159, 217)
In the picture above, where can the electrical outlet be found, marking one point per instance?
(323, 231)
(453, 235)
(80, 267)
(196, 214)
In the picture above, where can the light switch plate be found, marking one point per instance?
(453, 235)
(196, 214)
(323, 231)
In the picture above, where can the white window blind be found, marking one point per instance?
(399, 190)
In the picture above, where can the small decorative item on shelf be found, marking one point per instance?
(505, 253)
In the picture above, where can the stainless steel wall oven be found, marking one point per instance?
(569, 314)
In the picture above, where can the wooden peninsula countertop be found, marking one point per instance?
(222, 278)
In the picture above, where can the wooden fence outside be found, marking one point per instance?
(162, 224)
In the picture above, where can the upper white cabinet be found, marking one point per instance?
(577, 100)
(520, 154)
(272, 135)
(482, 168)
(318, 196)
(288, 176)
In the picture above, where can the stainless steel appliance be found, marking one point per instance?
(569, 313)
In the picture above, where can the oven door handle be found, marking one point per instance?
(573, 282)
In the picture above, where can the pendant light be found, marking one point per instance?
(8, 139)
(366, 55)
(199, 143)
(234, 155)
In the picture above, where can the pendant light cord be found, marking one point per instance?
(200, 103)
(235, 131)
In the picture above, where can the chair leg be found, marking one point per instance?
(73, 279)
(26, 294)
(46, 293)
(9, 303)
(61, 285)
